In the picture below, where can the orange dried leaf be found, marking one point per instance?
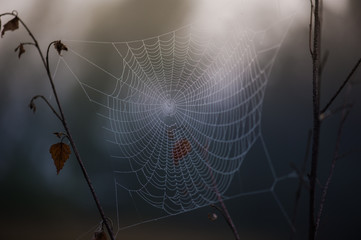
(181, 149)
(12, 25)
(99, 235)
(60, 153)
(21, 49)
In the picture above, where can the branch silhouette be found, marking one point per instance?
(13, 25)
(319, 115)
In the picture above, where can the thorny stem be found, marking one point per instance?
(316, 115)
(65, 125)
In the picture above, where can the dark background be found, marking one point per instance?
(35, 203)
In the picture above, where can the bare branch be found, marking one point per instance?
(32, 105)
(47, 56)
(332, 112)
(316, 54)
(310, 29)
(353, 150)
(301, 183)
(342, 85)
(61, 116)
(225, 216)
(333, 165)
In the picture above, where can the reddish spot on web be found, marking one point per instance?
(180, 150)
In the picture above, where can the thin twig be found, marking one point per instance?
(47, 55)
(342, 85)
(331, 112)
(48, 103)
(225, 216)
(301, 182)
(310, 29)
(224, 212)
(28, 43)
(353, 150)
(333, 164)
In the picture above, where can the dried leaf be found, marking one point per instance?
(181, 149)
(100, 235)
(21, 49)
(59, 134)
(60, 153)
(12, 25)
(32, 106)
(59, 46)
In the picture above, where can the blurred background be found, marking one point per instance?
(36, 203)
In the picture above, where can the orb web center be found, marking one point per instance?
(169, 107)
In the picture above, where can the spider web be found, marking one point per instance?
(182, 110)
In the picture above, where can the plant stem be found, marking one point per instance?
(47, 102)
(333, 165)
(224, 211)
(316, 116)
(65, 125)
(301, 183)
(342, 86)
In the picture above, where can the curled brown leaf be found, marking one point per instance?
(32, 106)
(21, 49)
(59, 46)
(12, 25)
